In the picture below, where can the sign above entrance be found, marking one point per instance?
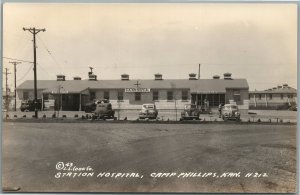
(133, 90)
(137, 89)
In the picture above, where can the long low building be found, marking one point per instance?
(280, 97)
(131, 94)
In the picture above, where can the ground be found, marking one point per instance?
(31, 152)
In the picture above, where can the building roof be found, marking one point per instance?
(195, 86)
(284, 90)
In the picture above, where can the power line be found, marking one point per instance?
(25, 74)
(17, 60)
(44, 70)
(49, 52)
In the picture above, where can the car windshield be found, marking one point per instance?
(228, 107)
(148, 106)
(234, 107)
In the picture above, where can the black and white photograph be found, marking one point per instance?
(149, 97)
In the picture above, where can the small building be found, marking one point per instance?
(280, 97)
(131, 94)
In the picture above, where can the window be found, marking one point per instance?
(92, 95)
(106, 95)
(281, 96)
(25, 95)
(170, 95)
(120, 95)
(259, 96)
(155, 95)
(292, 96)
(270, 96)
(137, 96)
(184, 95)
(237, 96)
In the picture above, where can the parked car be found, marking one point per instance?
(103, 111)
(148, 111)
(28, 105)
(190, 112)
(230, 111)
(91, 106)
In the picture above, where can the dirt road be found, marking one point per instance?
(203, 157)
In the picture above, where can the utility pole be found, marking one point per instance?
(34, 31)
(199, 72)
(6, 89)
(15, 71)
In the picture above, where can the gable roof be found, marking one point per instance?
(195, 86)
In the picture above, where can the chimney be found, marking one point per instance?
(125, 77)
(227, 76)
(158, 77)
(216, 77)
(92, 77)
(192, 76)
(60, 77)
(77, 78)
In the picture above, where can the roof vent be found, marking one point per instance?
(279, 87)
(158, 76)
(285, 85)
(192, 76)
(216, 77)
(92, 77)
(60, 77)
(227, 76)
(274, 87)
(77, 78)
(124, 77)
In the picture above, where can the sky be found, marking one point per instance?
(253, 41)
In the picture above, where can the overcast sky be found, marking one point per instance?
(253, 41)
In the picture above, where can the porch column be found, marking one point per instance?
(79, 101)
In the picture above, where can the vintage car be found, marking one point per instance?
(103, 111)
(230, 111)
(148, 111)
(91, 106)
(190, 112)
(28, 105)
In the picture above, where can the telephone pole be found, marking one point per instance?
(199, 72)
(34, 31)
(15, 71)
(6, 89)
